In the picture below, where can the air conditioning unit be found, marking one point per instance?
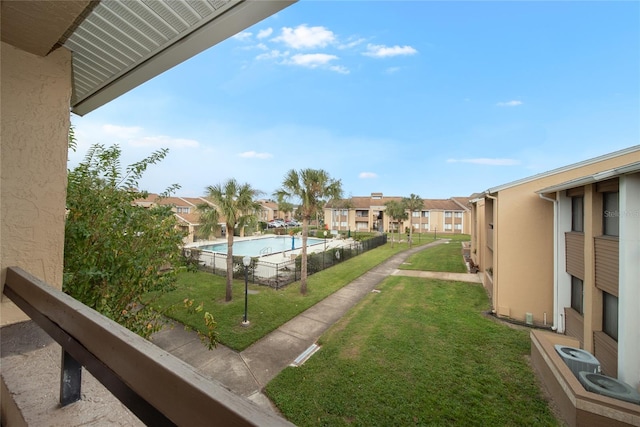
(607, 386)
(578, 360)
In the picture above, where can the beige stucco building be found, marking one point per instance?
(561, 250)
(367, 213)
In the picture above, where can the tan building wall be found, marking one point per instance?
(369, 214)
(523, 245)
(35, 127)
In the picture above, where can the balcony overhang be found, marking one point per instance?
(117, 46)
(590, 179)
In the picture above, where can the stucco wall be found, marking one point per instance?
(35, 93)
(524, 253)
(523, 244)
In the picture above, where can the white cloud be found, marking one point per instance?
(513, 103)
(245, 35)
(350, 44)
(311, 60)
(339, 69)
(487, 161)
(367, 175)
(121, 132)
(382, 51)
(264, 33)
(255, 155)
(392, 70)
(163, 141)
(303, 37)
(274, 54)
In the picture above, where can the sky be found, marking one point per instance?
(434, 98)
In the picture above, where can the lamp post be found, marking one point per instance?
(246, 261)
(435, 233)
(325, 247)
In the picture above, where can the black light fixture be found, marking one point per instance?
(246, 261)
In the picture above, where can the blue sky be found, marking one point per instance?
(437, 99)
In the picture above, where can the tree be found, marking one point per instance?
(116, 252)
(310, 186)
(396, 210)
(285, 206)
(235, 204)
(413, 203)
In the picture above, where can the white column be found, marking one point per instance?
(629, 281)
(562, 278)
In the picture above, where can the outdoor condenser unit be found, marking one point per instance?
(578, 360)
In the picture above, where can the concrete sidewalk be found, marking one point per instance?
(247, 372)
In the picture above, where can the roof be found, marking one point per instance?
(635, 148)
(117, 45)
(366, 202)
(589, 179)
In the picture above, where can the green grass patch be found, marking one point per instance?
(444, 257)
(420, 352)
(268, 308)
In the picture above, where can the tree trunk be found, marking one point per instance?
(303, 263)
(410, 231)
(229, 293)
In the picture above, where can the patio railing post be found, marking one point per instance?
(70, 379)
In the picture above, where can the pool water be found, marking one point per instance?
(262, 246)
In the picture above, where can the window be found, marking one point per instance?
(458, 226)
(447, 214)
(458, 215)
(415, 214)
(577, 296)
(611, 214)
(447, 226)
(610, 315)
(425, 214)
(182, 210)
(577, 214)
(345, 212)
(425, 226)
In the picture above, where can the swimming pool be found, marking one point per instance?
(262, 246)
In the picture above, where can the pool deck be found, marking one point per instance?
(284, 255)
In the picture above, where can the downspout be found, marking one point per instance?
(558, 320)
(495, 249)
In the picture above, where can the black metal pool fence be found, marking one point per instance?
(280, 274)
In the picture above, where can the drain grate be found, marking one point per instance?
(305, 355)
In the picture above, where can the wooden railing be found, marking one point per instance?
(157, 387)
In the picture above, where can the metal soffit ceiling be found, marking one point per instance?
(120, 44)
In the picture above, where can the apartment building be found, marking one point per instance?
(367, 213)
(561, 250)
(185, 210)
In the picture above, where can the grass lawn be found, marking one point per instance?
(268, 308)
(420, 352)
(444, 257)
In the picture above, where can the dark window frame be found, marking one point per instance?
(577, 214)
(610, 315)
(577, 295)
(611, 213)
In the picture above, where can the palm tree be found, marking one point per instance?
(234, 203)
(311, 186)
(396, 210)
(413, 203)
